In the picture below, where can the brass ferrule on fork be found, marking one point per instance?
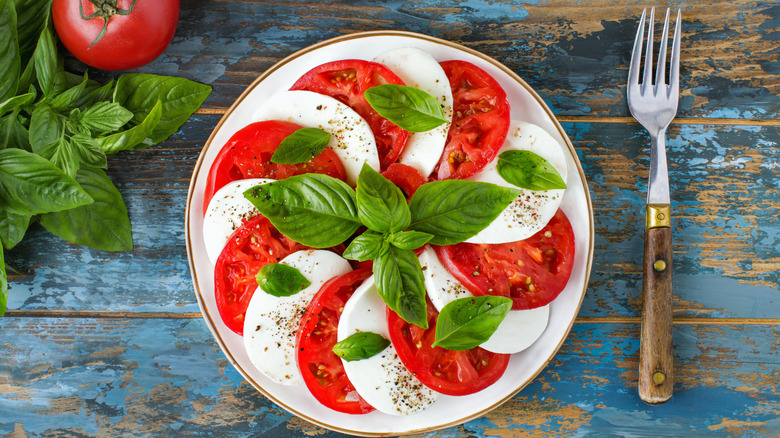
(658, 216)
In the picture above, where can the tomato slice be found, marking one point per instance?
(346, 81)
(407, 178)
(248, 155)
(480, 121)
(255, 244)
(323, 371)
(532, 272)
(446, 371)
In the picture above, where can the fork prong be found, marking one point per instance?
(648, 69)
(674, 67)
(660, 76)
(636, 53)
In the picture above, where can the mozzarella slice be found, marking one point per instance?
(351, 137)
(531, 210)
(382, 380)
(272, 323)
(227, 211)
(519, 329)
(419, 69)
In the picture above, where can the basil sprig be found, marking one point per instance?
(468, 322)
(410, 108)
(528, 170)
(321, 211)
(360, 345)
(301, 146)
(281, 280)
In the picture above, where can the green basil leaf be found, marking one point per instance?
(95, 93)
(301, 146)
(13, 228)
(134, 138)
(409, 239)
(180, 98)
(281, 280)
(454, 210)
(3, 284)
(13, 134)
(105, 117)
(312, 209)
(360, 345)
(468, 322)
(410, 108)
(45, 58)
(46, 127)
(15, 102)
(103, 224)
(30, 184)
(71, 97)
(60, 152)
(10, 64)
(528, 170)
(88, 151)
(381, 205)
(367, 246)
(401, 285)
(32, 18)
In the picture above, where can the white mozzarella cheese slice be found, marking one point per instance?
(419, 69)
(382, 380)
(227, 211)
(351, 136)
(272, 323)
(519, 329)
(531, 210)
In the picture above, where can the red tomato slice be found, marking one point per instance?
(407, 178)
(480, 121)
(248, 155)
(323, 371)
(446, 371)
(255, 244)
(346, 81)
(532, 272)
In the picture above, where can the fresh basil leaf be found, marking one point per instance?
(468, 322)
(401, 285)
(454, 210)
(408, 239)
(88, 151)
(103, 224)
(45, 58)
(13, 134)
(10, 64)
(32, 18)
(134, 138)
(312, 209)
(410, 108)
(13, 228)
(46, 127)
(96, 93)
(71, 97)
(281, 280)
(528, 170)
(3, 283)
(367, 246)
(301, 146)
(381, 205)
(15, 102)
(30, 184)
(360, 345)
(105, 117)
(60, 153)
(180, 98)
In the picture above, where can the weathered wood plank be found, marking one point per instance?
(727, 234)
(115, 377)
(574, 54)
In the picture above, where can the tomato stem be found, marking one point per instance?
(104, 9)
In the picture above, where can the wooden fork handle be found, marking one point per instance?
(655, 347)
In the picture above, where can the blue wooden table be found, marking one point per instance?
(113, 344)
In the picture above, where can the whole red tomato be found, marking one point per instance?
(115, 34)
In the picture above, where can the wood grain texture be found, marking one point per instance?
(108, 378)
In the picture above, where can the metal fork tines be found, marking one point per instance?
(653, 103)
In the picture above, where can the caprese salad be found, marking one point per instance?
(383, 233)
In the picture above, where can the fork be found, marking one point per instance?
(653, 103)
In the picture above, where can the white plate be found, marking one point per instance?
(526, 105)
